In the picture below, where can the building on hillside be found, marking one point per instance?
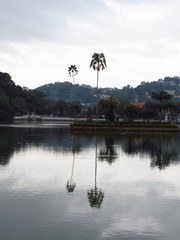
(148, 96)
(138, 104)
(172, 83)
(170, 92)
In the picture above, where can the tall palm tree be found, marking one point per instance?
(98, 63)
(72, 70)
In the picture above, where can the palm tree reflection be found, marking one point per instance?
(70, 186)
(95, 195)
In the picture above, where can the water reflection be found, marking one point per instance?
(108, 153)
(163, 149)
(70, 186)
(71, 183)
(116, 190)
(95, 194)
(16, 139)
(10, 141)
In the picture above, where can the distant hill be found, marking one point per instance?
(87, 94)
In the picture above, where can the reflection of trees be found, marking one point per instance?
(95, 195)
(162, 149)
(10, 141)
(13, 139)
(164, 156)
(108, 153)
(70, 183)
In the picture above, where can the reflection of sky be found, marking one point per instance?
(139, 203)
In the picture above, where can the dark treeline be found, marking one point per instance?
(59, 100)
(15, 100)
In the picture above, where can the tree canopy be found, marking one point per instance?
(110, 104)
(87, 94)
(162, 96)
(15, 100)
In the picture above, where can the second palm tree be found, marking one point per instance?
(72, 70)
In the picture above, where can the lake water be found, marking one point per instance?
(58, 185)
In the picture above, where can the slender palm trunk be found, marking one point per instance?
(96, 166)
(97, 93)
(74, 96)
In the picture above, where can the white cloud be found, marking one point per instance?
(40, 39)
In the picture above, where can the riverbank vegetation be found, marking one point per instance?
(17, 101)
(123, 126)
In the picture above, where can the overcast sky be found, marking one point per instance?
(40, 39)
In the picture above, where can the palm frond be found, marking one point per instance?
(72, 70)
(98, 61)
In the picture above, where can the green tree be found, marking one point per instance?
(7, 85)
(61, 107)
(19, 106)
(149, 111)
(110, 104)
(76, 108)
(162, 96)
(5, 108)
(131, 112)
(120, 110)
(50, 106)
(164, 110)
(98, 63)
(35, 100)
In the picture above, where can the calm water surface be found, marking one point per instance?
(58, 185)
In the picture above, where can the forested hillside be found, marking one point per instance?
(61, 99)
(67, 92)
(87, 95)
(15, 100)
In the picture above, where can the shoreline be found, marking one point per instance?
(123, 127)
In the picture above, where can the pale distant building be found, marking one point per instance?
(170, 92)
(172, 83)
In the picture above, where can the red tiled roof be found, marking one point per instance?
(138, 104)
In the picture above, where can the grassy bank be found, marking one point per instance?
(124, 126)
